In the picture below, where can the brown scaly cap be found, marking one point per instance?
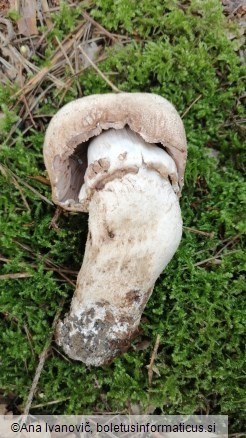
(151, 116)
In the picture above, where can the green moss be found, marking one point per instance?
(181, 51)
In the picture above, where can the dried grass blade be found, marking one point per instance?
(15, 276)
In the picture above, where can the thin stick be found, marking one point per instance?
(4, 259)
(29, 338)
(202, 262)
(47, 262)
(15, 276)
(32, 189)
(233, 12)
(65, 55)
(5, 171)
(231, 238)
(17, 185)
(114, 88)
(191, 105)
(38, 78)
(46, 268)
(202, 233)
(42, 358)
(152, 359)
(101, 28)
(35, 191)
(238, 435)
(229, 242)
(25, 100)
(68, 62)
(70, 80)
(54, 220)
(54, 402)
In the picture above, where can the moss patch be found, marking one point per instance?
(181, 51)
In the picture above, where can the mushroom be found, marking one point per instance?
(121, 158)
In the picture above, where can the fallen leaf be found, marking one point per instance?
(27, 24)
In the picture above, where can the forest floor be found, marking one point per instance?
(193, 53)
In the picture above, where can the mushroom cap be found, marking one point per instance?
(151, 116)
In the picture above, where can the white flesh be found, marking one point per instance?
(135, 227)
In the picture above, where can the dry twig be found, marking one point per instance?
(40, 366)
(53, 222)
(114, 88)
(67, 43)
(202, 233)
(191, 105)
(210, 259)
(15, 276)
(228, 243)
(59, 269)
(15, 178)
(29, 338)
(152, 359)
(99, 26)
(53, 402)
(49, 263)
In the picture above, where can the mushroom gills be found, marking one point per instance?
(135, 227)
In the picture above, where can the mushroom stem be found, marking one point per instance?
(135, 227)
